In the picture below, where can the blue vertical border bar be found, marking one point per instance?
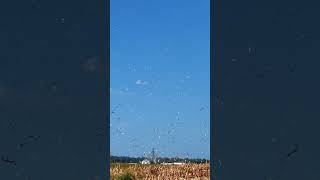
(107, 72)
(215, 85)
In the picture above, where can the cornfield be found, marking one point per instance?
(162, 172)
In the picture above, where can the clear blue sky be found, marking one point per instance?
(160, 76)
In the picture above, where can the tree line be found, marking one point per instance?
(125, 159)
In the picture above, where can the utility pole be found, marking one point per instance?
(153, 156)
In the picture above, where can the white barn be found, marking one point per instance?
(145, 161)
(174, 163)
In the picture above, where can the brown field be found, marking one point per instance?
(162, 172)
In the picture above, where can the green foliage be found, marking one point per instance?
(125, 159)
(126, 176)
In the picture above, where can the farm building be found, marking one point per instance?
(174, 163)
(145, 161)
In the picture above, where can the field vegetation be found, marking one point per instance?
(189, 171)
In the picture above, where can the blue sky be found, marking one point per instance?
(160, 77)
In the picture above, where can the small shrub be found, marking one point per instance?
(126, 176)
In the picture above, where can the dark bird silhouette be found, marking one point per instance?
(293, 151)
(30, 139)
(284, 161)
(6, 160)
